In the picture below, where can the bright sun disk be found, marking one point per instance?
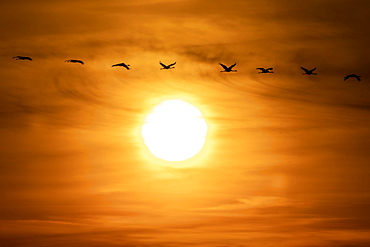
(174, 131)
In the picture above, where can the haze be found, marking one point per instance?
(286, 162)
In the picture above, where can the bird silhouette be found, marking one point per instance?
(22, 58)
(122, 65)
(352, 76)
(74, 61)
(228, 69)
(167, 66)
(308, 72)
(264, 71)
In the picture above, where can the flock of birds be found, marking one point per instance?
(226, 68)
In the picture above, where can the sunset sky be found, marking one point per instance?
(287, 156)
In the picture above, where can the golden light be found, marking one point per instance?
(174, 131)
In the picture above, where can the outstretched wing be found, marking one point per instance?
(125, 65)
(312, 70)
(346, 77)
(232, 66)
(262, 69)
(172, 64)
(74, 61)
(224, 66)
(270, 68)
(164, 66)
(305, 70)
(121, 64)
(22, 58)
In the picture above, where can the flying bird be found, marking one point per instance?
(308, 72)
(22, 58)
(122, 65)
(264, 71)
(74, 61)
(167, 66)
(228, 69)
(352, 76)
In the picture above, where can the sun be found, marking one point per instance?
(174, 131)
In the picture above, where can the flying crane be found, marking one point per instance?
(22, 58)
(228, 69)
(122, 65)
(308, 72)
(74, 61)
(167, 66)
(264, 71)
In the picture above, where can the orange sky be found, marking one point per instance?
(286, 162)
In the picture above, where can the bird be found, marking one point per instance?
(308, 72)
(122, 65)
(228, 69)
(354, 76)
(74, 61)
(167, 66)
(22, 58)
(264, 71)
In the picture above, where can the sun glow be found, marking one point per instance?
(174, 131)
